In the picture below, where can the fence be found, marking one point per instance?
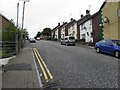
(8, 48)
(11, 43)
(8, 43)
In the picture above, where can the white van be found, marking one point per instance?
(68, 40)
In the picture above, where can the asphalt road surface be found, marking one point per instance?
(78, 66)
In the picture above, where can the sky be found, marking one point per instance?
(40, 14)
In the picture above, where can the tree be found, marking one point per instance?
(46, 32)
(38, 35)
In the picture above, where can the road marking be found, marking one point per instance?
(50, 75)
(38, 74)
(44, 73)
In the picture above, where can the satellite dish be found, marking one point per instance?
(106, 20)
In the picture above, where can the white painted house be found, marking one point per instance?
(55, 32)
(63, 30)
(85, 27)
(86, 31)
(72, 28)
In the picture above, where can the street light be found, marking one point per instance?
(18, 19)
(23, 12)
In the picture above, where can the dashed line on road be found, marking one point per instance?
(43, 66)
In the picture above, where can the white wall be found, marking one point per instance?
(86, 31)
(56, 34)
(73, 29)
(63, 32)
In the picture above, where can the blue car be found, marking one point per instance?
(108, 46)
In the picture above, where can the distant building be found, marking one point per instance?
(55, 34)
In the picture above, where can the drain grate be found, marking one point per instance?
(19, 67)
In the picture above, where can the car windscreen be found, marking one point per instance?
(71, 38)
(117, 42)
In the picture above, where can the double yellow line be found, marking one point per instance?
(43, 66)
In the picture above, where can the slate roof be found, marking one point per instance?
(71, 23)
(84, 19)
(64, 24)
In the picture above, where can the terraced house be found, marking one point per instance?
(111, 19)
(85, 27)
(63, 30)
(55, 32)
(72, 28)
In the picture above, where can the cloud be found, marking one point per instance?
(47, 13)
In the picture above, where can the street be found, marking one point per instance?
(77, 66)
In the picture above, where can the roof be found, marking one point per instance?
(102, 5)
(5, 18)
(64, 24)
(55, 28)
(95, 14)
(71, 23)
(84, 19)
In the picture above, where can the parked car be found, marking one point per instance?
(108, 46)
(32, 40)
(38, 39)
(68, 40)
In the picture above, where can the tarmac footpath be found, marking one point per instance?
(21, 71)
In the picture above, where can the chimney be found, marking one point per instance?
(58, 24)
(87, 12)
(71, 19)
(82, 16)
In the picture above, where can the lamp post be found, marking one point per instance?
(23, 15)
(17, 13)
(18, 21)
(23, 12)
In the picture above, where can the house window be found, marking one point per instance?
(83, 36)
(90, 22)
(63, 29)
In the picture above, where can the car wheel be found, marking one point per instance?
(98, 50)
(117, 54)
(73, 44)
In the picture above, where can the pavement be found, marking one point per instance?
(21, 72)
